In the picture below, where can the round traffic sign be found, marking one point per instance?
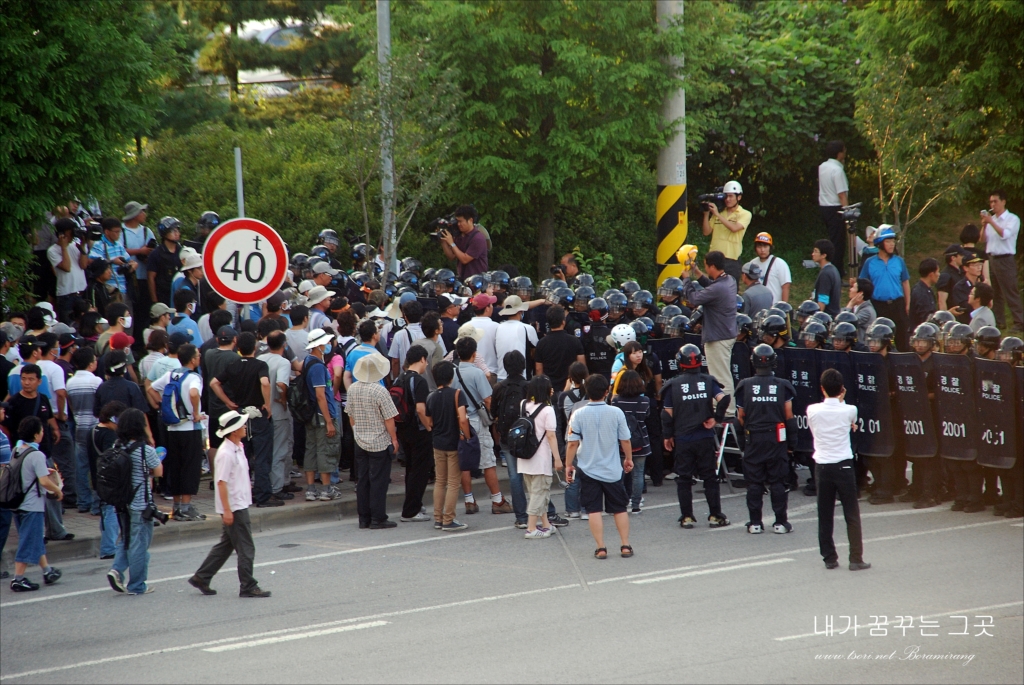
(245, 260)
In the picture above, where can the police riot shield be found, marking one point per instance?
(740, 362)
(995, 392)
(874, 408)
(956, 419)
(429, 304)
(665, 349)
(843, 363)
(802, 372)
(913, 408)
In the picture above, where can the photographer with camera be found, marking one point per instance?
(110, 249)
(69, 257)
(567, 268)
(469, 248)
(727, 226)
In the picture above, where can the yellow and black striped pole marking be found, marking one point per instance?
(670, 216)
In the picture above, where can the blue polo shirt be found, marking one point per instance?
(887, 277)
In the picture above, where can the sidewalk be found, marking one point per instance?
(86, 528)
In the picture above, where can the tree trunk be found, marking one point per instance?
(546, 238)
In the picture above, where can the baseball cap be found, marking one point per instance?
(121, 340)
(445, 301)
(763, 237)
(483, 299)
(954, 250)
(116, 362)
(752, 270)
(226, 334)
(67, 340)
(973, 258)
(276, 300)
(159, 309)
(325, 268)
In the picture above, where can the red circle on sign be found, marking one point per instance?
(276, 243)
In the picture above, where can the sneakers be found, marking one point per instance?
(148, 590)
(537, 534)
(573, 514)
(23, 585)
(783, 528)
(521, 525)
(254, 592)
(557, 521)
(438, 525)
(311, 495)
(206, 466)
(190, 513)
(717, 521)
(584, 516)
(755, 528)
(272, 502)
(52, 576)
(454, 526)
(503, 507)
(472, 508)
(198, 584)
(116, 581)
(859, 566)
(687, 522)
(418, 517)
(330, 493)
(381, 525)
(296, 474)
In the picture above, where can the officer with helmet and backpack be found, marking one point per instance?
(207, 222)
(726, 227)
(765, 410)
(163, 262)
(693, 403)
(329, 239)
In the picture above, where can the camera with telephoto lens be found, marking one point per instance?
(715, 198)
(444, 223)
(557, 269)
(151, 244)
(91, 231)
(151, 513)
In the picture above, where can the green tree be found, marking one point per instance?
(75, 89)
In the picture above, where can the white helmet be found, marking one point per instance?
(621, 335)
(733, 187)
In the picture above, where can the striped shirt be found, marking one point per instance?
(81, 389)
(104, 249)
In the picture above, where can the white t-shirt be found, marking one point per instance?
(777, 277)
(485, 347)
(994, 245)
(68, 282)
(402, 341)
(55, 376)
(512, 336)
(280, 372)
(541, 462)
(830, 423)
(297, 341)
(192, 380)
(831, 182)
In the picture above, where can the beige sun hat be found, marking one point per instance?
(371, 368)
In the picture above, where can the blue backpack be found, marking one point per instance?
(172, 407)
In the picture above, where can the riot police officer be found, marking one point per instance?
(600, 355)
(330, 240)
(1011, 351)
(693, 403)
(924, 486)
(764, 406)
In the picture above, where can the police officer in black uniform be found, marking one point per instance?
(600, 355)
(207, 222)
(693, 403)
(764, 407)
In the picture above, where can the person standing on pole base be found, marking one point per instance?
(727, 229)
(764, 406)
(830, 422)
(1001, 228)
(833, 189)
(719, 330)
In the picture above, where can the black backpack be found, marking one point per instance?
(509, 411)
(299, 402)
(114, 475)
(405, 404)
(636, 437)
(561, 422)
(522, 436)
(12, 494)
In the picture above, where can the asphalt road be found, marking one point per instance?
(485, 605)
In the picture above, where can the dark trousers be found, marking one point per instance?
(299, 443)
(655, 465)
(347, 462)
(259, 448)
(882, 472)
(419, 457)
(832, 480)
(925, 478)
(234, 538)
(373, 469)
(968, 478)
(1003, 269)
(897, 311)
(836, 228)
(698, 457)
(766, 463)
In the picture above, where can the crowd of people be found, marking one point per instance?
(350, 367)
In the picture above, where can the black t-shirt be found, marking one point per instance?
(828, 289)
(120, 389)
(22, 407)
(164, 264)
(922, 304)
(949, 277)
(441, 408)
(241, 381)
(418, 395)
(556, 352)
(449, 332)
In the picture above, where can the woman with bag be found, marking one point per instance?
(636, 407)
(536, 471)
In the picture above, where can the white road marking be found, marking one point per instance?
(294, 636)
(708, 571)
(944, 613)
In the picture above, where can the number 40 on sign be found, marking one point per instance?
(245, 260)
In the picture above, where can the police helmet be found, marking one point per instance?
(885, 321)
(583, 280)
(501, 280)
(298, 257)
(429, 274)
(390, 289)
(822, 318)
(320, 251)
(879, 336)
(696, 316)
(313, 261)
(167, 224)
(642, 299)
(564, 297)
(774, 327)
(666, 314)
(621, 335)
(328, 236)
(814, 331)
(405, 289)
(987, 339)
(360, 278)
(845, 316)
(523, 287)
(208, 220)
(805, 310)
(927, 334)
(785, 307)
(1011, 350)
(412, 264)
(688, 357)
(671, 287)
(676, 326)
(408, 278)
(609, 291)
(427, 289)
(763, 358)
(958, 339)
(617, 302)
(641, 330)
(597, 307)
(477, 283)
(359, 252)
(844, 336)
(744, 324)
(629, 287)
(940, 317)
(695, 288)
(584, 294)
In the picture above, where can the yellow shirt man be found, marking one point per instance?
(725, 240)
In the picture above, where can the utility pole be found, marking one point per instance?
(387, 134)
(670, 212)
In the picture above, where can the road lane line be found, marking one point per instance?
(294, 636)
(708, 571)
(944, 613)
(572, 560)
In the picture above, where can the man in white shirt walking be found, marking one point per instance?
(775, 274)
(831, 422)
(833, 190)
(513, 334)
(1001, 228)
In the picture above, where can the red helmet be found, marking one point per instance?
(688, 357)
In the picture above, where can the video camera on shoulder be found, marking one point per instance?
(716, 198)
(92, 231)
(444, 223)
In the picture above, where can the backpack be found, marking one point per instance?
(522, 436)
(561, 421)
(12, 494)
(401, 395)
(636, 437)
(114, 475)
(299, 402)
(172, 406)
(508, 412)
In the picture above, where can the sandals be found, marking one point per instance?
(626, 551)
(601, 553)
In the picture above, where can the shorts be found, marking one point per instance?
(183, 465)
(597, 494)
(31, 547)
(487, 459)
(538, 490)
(322, 452)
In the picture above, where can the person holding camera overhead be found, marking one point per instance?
(727, 227)
(69, 257)
(469, 248)
(110, 249)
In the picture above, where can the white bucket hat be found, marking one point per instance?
(318, 337)
(317, 295)
(230, 422)
(371, 368)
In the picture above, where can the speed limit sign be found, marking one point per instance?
(245, 260)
